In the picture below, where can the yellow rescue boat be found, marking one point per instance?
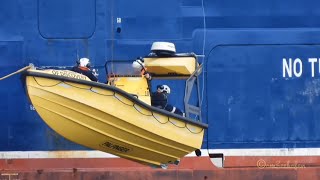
(116, 118)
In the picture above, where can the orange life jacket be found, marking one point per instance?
(143, 71)
(84, 68)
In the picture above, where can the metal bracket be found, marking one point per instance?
(190, 82)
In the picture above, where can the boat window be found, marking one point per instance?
(121, 68)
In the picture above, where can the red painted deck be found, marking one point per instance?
(242, 168)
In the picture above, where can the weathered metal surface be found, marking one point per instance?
(251, 101)
(116, 168)
(185, 174)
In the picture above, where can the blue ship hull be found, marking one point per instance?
(261, 87)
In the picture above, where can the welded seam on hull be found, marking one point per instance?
(71, 154)
(257, 152)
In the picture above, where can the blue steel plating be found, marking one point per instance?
(247, 103)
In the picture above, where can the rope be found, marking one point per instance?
(132, 105)
(17, 72)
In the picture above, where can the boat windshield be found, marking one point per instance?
(121, 68)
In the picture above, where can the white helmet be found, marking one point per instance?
(164, 88)
(84, 62)
(138, 64)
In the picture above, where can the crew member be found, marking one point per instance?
(160, 99)
(139, 64)
(83, 67)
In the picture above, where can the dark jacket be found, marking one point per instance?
(85, 71)
(159, 100)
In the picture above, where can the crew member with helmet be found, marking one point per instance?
(83, 67)
(160, 99)
(139, 64)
